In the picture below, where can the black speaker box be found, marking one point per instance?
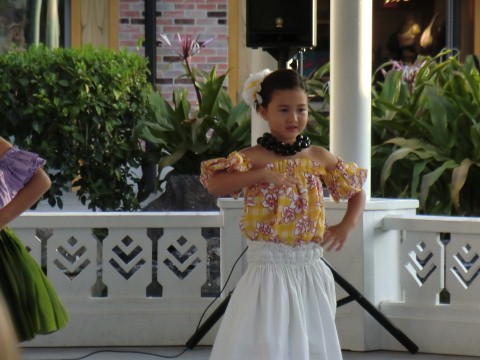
(281, 23)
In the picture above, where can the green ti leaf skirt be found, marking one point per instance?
(31, 299)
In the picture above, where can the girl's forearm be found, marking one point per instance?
(224, 183)
(355, 207)
(26, 197)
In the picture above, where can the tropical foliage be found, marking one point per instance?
(426, 133)
(319, 99)
(85, 111)
(183, 133)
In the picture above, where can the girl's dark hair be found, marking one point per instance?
(282, 79)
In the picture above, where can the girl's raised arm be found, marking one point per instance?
(27, 196)
(225, 183)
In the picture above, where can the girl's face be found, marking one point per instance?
(286, 114)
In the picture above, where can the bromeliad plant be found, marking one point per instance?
(184, 133)
(426, 134)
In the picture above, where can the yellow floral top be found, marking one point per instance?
(292, 215)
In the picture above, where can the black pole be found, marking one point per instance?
(355, 295)
(207, 325)
(283, 57)
(150, 44)
(151, 38)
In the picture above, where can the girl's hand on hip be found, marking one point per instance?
(335, 237)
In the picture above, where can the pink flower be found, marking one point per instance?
(409, 72)
(264, 228)
(288, 214)
(270, 200)
(303, 225)
(186, 46)
(300, 204)
(312, 181)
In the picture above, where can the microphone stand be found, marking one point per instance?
(353, 295)
(208, 324)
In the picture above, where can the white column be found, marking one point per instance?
(350, 81)
(260, 60)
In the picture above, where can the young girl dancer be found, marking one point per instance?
(31, 300)
(283, 307)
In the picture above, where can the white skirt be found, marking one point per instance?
(283, 307)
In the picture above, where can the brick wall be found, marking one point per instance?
(207, 18)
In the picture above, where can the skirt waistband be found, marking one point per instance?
(263, 252)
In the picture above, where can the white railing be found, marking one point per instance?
(440, 264)
(145, 279)
(131, 278)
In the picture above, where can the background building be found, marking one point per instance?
(402, 29)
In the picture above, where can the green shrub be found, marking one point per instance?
(77, 108)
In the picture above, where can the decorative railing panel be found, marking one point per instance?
(440, 258)
(422, 256)
(127, 263)
(111, 269)
(182, 260)
(440, 269)
(463, 268)
(72, 262)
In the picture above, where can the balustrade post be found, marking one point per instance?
(370, 262)
(232, 242)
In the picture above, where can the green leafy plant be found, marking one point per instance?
(426, 133)
(78, 108)
(318, 126)
(183, 133)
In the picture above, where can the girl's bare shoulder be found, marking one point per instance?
(4, 146)
(258, 156)
(323, 156)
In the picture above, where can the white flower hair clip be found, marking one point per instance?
(252, 87)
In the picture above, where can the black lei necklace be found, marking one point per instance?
(279, 147)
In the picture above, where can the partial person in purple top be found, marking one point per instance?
(22, 181)
(30, 298)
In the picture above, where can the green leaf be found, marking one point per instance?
(162, 111)
(475, 139)
(170, 160)
(387, 167)
(459, 176)
(417, 171)
(153, 133)
(429, 180)
(441, 112)
(211, 90)
(409, 143)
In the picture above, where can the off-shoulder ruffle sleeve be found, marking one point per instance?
(235, 162)
(16, 169)
(345, 180)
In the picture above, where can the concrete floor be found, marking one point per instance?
(198, 353)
